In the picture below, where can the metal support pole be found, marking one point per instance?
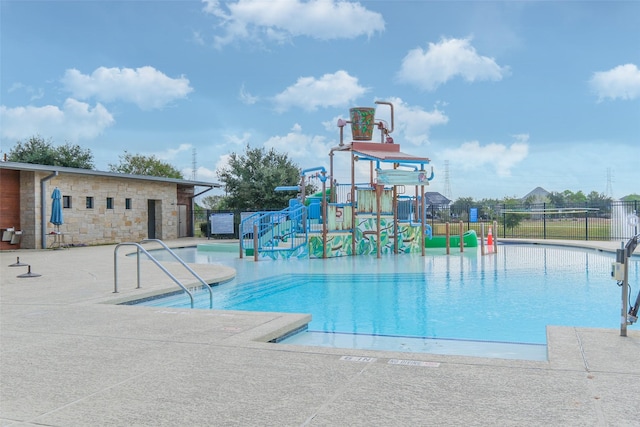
(379, 191)
(353, 204)
(324, 218)
(423, 221)
(255, 242)
(396, 231)
(332, 185)
(622, 257)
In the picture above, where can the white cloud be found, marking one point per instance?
(146, 87)
(412, 123)
(171, 153)
(309, 151)
(223, 162)
(230, 139)
(34, 93)
(445, 60)
(280, 20)
(471, 155)
(75, 121)
(302, 149)
(202, 174)
(331, 90)
(15, 86)
(332, 124)
(233, 141)
(621, 82)
(197, 38)
(246, 97)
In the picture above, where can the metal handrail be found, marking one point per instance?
(200, 279)
(155, 261)
(296, 214)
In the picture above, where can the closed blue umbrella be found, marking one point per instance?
(56, 208)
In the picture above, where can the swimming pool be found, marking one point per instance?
(509, 297)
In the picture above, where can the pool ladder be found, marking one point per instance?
(156, 262)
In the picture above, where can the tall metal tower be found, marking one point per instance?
(609, 191)
(193, 164)
(447, 181)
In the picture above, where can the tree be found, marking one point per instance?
(215, 203)
(577, 197)
(512, 220)
(631, 198)
(460, 208)
(38, 151)
(462, 204)
(595, 198)
(251, 178)
(138, 164)
(556, 199)
(489, 208)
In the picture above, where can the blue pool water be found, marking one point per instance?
(508, 297)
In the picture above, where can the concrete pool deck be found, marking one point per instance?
(70, 357)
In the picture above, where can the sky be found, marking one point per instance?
(502, 97)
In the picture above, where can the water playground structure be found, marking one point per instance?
(368, 221)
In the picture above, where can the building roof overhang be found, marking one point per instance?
(89, 172)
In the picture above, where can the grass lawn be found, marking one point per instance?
(574, 229)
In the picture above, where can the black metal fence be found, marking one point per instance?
(606, 221)
(581, 221)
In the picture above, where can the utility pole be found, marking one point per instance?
(193, 165)
(609, 191)
(447, 181)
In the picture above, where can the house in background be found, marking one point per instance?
(537, 195)
(98, 207)
(436, 200)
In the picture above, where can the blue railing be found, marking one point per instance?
(274, 231)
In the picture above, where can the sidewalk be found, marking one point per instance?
(70, 357)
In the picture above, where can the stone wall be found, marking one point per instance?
(99, 225)
(29, 210)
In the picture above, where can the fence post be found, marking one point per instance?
(586, 221)
(544, 220)
(504, 220)
(635, 211)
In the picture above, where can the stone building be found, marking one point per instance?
(98, 207)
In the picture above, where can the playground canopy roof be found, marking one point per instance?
(385, 153)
